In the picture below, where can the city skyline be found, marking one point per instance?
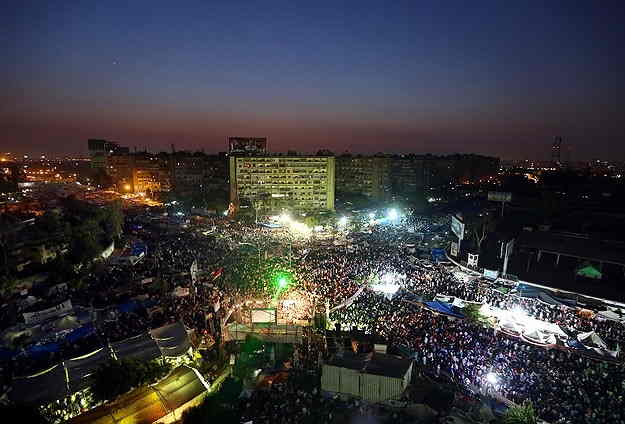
(362, 77)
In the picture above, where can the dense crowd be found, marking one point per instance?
(565, 388)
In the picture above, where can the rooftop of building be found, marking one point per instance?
(373, 363)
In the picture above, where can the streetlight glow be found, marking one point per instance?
(492, 378)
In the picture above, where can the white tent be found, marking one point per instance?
(611, 315)
(68, 322)
(537, 336)
(591, 339)
(511, 327)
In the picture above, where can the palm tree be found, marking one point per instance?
(521, 414)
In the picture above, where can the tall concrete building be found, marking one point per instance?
(368, 175)
(406, 174)
(275, 182)
(193, 172)
(100, 150)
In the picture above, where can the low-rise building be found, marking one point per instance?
(373, 377)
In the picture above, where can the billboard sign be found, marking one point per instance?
(499, 196)
(264, 315)
(438, 254)
(472, 259)
(457, 227)
(46, 314)
(491, 274)
(247, 144)
(454, 248)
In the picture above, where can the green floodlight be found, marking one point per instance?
(282, 282)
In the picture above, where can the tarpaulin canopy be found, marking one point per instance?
(172, 340)
(80, 332)
(43, 387)
(544, 295)
(80, 370)
(438, 254)
(129, 306)
(139, 347)
(591, 339)
(444, 308)
(43, 349)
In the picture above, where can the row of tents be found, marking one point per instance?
(530, 330)
(74, 375)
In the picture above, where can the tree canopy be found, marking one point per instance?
(117, 377)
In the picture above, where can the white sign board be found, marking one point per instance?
(454, 248)
(193, 272)
(45, 314)
(263, 315)
(457, 227)
(491, 274)
(499, 196)
(181, 291)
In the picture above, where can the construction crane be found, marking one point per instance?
(555, 151)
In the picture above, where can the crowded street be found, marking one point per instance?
(334, 274)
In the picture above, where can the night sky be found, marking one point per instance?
(499, 78)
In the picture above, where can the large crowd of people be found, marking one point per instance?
(237, 263)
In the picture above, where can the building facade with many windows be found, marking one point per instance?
(273, 183)
(368, 175)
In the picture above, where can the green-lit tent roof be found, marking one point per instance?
(589, 271)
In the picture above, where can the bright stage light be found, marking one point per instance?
(282, 281)
(392, 214)
(388, 278)
(492, 378)
(388, 283)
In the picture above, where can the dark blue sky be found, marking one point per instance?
(495, 77)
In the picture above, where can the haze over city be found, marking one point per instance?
(364, 76)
